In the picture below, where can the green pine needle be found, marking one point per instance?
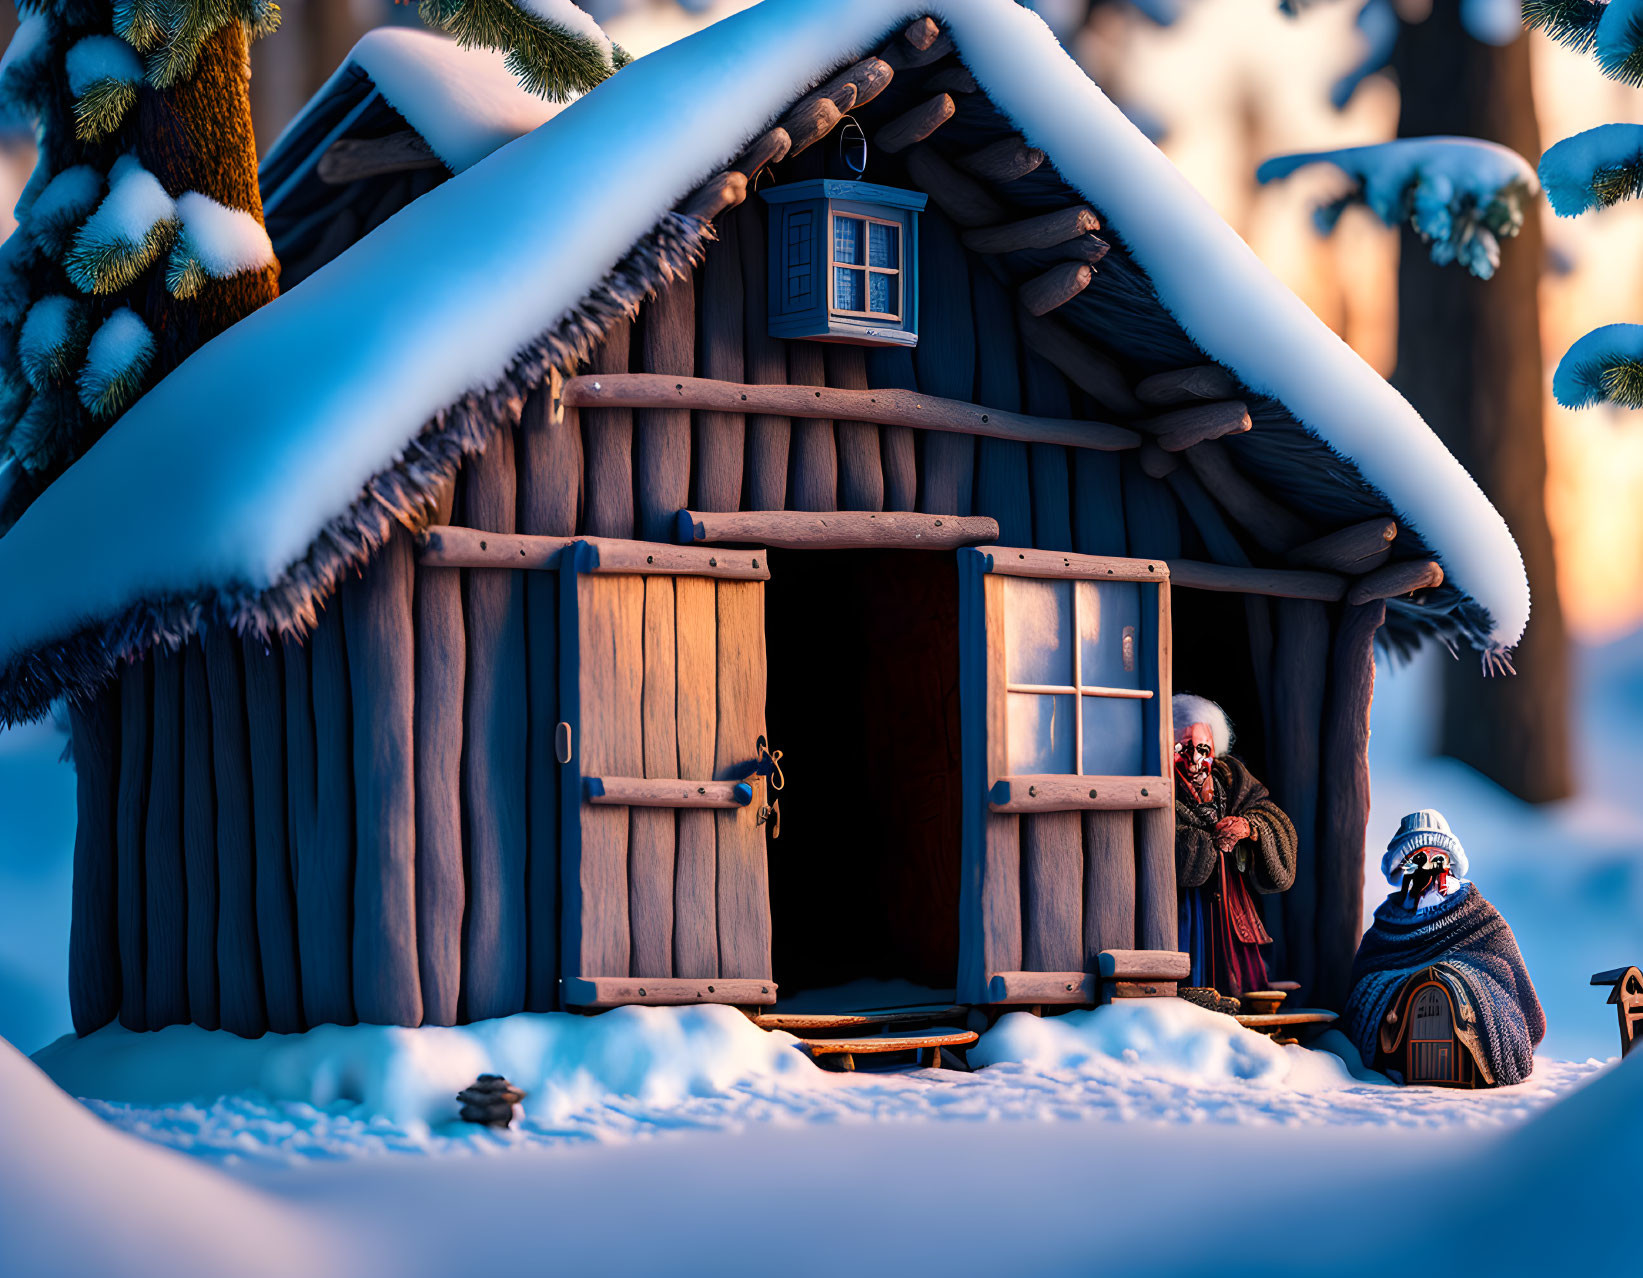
(1626, 63)
(1623, 383)
(1616, 182)
(45, 365)
(141, 23)
(98, 265)
(36, 439)
(549, 60)
(102, 108)
(1569, 22)
(107, 394)
(172, 32)
(185, 274)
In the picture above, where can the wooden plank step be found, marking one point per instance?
(1277, 1020)
(793, 1022)
(907, 1042)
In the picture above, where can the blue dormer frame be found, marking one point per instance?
(844, 262)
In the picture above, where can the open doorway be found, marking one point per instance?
(863, 701)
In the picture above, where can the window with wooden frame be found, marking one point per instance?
(866, 266)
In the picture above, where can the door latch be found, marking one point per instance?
(771, 812)
(769, 766)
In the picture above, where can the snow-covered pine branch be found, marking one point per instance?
(1620, 41)
(25, 70)
(117, 361)
(555, 49)
(1461, 195)
(57, 213)
(52, 341)
(103, 74)
(1604, 367)
(172, 32)
(1594, 169)
(215, 242)
(135, 223)
(1570, 22)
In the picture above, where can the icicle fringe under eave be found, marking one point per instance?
(402, 495)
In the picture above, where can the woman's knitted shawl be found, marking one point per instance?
(1468, 936)
(1271, 849)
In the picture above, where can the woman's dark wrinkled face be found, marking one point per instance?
(1421, 869)
(1194, 752)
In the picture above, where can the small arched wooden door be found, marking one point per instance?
(1432, 1045)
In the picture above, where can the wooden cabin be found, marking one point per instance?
(1421, 1036)
(449, 678)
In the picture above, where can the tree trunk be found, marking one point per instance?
(1469, 359)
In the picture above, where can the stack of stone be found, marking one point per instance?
(490, 1101)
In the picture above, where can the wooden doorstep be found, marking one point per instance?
(1041, 987)
(1111, 990)
(888, 1043)
(665, 792)
(1055, 793)
(883, 407)
(837, 530)
(618, 991)
(795, 1021)
(1144, 965)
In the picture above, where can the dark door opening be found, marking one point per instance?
(863, 701)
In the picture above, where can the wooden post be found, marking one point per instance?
(1052, 881)
(1045, 395)
(768, 437)
(651, 831)
(720, 340)
(1345, 800)
(945, 359)
(815, 457)
(382, 681)
(547, 507)
(1155, 888)
(165, 881)
(1151, 518)
(94, 940)
(1002, 488)
(239, 966)
(1301, 654)
(199, 841)
(861, 473)
(302, 807)
(441, 880)
(662, 435)
(695, 872)
(1109, 884)
(744, 880)
(494, 739)
(276, 910)
(136, 739)
(609, 436)
(325, 885)
(892, 367)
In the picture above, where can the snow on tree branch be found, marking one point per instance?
(215, 242)
(103, 74)
(173, 32)
(555, 49)
(1605, 366)
(1461, 195)
(1594, 169)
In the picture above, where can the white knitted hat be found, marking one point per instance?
(1423, 829)
(1188, 709)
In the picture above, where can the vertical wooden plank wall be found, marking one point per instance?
(743, 875)
(550, 502)
(165, 880)
(892, 367)
(276, 908)
(608, 440)
(662, 435)
(1002, 487)
(768, 438)
(378, 614)
(441, 684)
(696, 871)
(199, 840)
(94, 935)
(239, 969)
(720, 341)
(493, 759)
(651, 831)
(135, 744)
(813, 483)
(861, 472)
(945, 359)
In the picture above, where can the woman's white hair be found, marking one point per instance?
(1190, 709)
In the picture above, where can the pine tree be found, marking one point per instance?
(555, 48)
(140, 232)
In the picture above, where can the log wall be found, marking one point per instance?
(363, 824)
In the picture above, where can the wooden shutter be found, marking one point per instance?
(1060, 865)
(662, 681)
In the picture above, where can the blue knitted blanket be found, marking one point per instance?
(1467, 936)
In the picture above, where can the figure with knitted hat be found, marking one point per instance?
(1231, 841)
(1436, 927)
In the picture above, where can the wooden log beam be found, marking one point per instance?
(1155, 461)
(903, 56)
(1187, 385)
(1179, 430)
(1274, 527)
(1280, 583)
(837, 530)
(809, 122)
(1082, 248)
(1082, 364)
(921, 33)
(1003, 161)
(1354, 550)
(723, 191)
(1023, 561)
(618, 991)
(886, 407)
(1401, 578)
(769, 147)
(1051, 793)
(915, 125)
(1144, 965)
(445, 546)
(1055, 287)
(814, 116)
(666, 792)
(1041, 232)
(353, 159)
(858, 84)
(959, 196)
(1040, 987)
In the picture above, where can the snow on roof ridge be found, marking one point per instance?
(267, 471)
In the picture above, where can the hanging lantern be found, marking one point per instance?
(844, 262)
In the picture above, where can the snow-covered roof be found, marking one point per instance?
(230, 472)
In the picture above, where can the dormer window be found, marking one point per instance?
(843, 262)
